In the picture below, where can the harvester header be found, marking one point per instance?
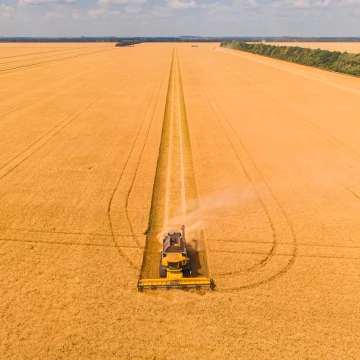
(183, 283)
(175, 267)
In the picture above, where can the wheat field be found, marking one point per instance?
(103, 148)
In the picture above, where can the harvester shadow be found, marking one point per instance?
(197, 269)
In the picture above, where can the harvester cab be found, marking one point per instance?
(174, 263)
(175, 268)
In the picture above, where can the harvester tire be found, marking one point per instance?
(162, 270)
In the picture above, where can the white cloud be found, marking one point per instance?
(78, 16)
(45, 2)
(348, 2)
(253, 3)
(162, 12)
(6, 11)
(120, 2)
(52, 16)
(133, 9)
(178, 4)
(286, 4)
(301, 3)
(112, 2)
(324, 3)
(95, 13)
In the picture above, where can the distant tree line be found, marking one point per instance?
(190, 39)
(305, 39)
(346, 63)
(128, 42)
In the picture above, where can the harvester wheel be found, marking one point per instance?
(162, 270)
(187, 272)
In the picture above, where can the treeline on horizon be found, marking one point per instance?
(342, 62)
(128, 42)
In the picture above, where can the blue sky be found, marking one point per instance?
(179, 17)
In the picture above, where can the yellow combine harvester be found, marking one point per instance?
(175, 268)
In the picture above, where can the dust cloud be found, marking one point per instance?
(227, 201)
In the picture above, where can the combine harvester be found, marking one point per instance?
(175, 268)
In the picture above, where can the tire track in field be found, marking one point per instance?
(157, 210)
(63, 243)
(45, 63)
(170, 190)
(170, 146)
(292, 257)
(342, 147)
(19, 86)
(273, 248)
(39, 53)
(41, 98)
(284, 243)
(290, 68)
(181, 148)
(336, 143)
(75, 233)
(138, 165)
(109, 210)
(43, 140)
(13, 62)
(56, 130)
(315, 256)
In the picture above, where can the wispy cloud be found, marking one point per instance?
(52, 16)
(45, 2)
(302, 3)
(178, 4)
(6, 12)
(253, 3)
(324, 3)
(95, 13)
(174, 17)
(133, 9)
(112, 2)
